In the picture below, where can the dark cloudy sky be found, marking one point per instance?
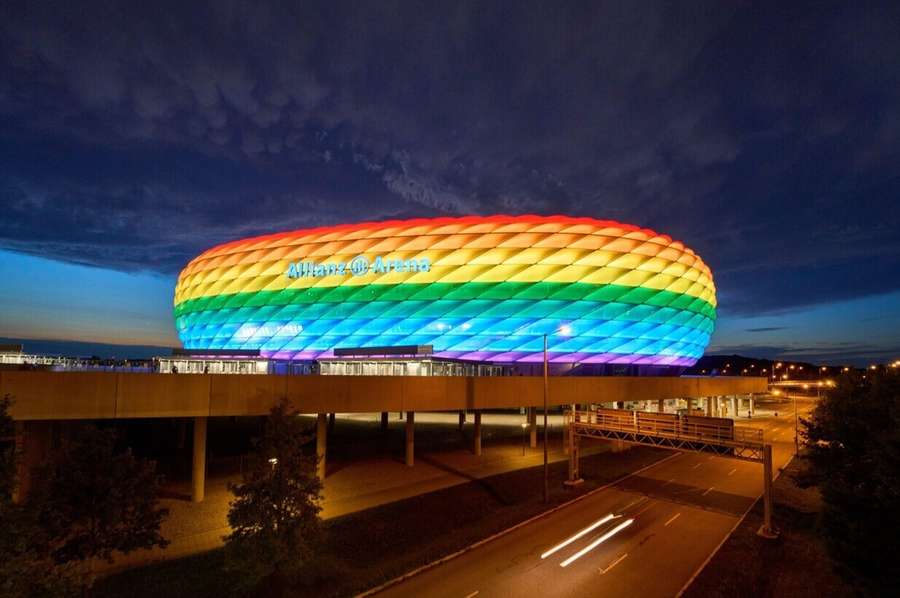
(764, 135)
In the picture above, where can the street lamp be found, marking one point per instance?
(566, 330)
(546, 392)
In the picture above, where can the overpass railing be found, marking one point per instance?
(683, 432)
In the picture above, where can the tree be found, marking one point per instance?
(854, 459)
(7, 450)
(95, 499)
(275, 514)
(26, 567)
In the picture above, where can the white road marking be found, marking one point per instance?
(669, 482)
(613, 564)
(634, 502)
(705, 492)
(586, 530)
(732, 471)
(473, 594)
(697, 465)
(674, 517)
(596, 543)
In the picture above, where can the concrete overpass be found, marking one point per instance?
(41, 397)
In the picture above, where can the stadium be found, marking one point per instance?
(486, 290)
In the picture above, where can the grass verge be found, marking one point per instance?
(365, 549)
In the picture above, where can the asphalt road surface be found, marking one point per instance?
(647, 535)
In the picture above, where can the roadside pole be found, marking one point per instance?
(574, 475)
(767, 531)
(546, 391)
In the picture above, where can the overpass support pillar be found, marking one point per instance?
(462, 420)
(735, 407)
(661, 406)
(476, 438)
(766, 530)
(198, 471)
(690, 404)
(574, 463)
(410, 437)
(532, 426)
(752, 408)
(33, 440)
(384, 421)
(321, 444)
(330, 423)
(709, 406)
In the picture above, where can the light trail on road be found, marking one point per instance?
(580, 534)
(596, 543)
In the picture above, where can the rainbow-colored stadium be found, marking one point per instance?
(476, 288)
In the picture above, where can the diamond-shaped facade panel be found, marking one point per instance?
(477, 288)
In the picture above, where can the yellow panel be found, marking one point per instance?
(499, 273)
(532, 255)
(491, 256)
(535, 273)
(633, 278)
(565, 257)
(571, 274)
(604, 275)
(598, 258)
(628, 260)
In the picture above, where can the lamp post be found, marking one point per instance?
(546, 392)
(524, 427)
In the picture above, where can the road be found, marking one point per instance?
(646, 535)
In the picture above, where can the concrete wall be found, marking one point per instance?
(104, 395)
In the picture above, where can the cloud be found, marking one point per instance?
(135, 137)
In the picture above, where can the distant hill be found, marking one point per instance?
(737, 365)
(83, 349)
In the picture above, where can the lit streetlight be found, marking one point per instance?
(565, 330)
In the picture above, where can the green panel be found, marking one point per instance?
(467, 291)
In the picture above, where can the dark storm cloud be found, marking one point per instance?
(762, 136)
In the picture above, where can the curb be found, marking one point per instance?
(501, 533)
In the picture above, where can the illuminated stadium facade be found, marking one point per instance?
(484, 289)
